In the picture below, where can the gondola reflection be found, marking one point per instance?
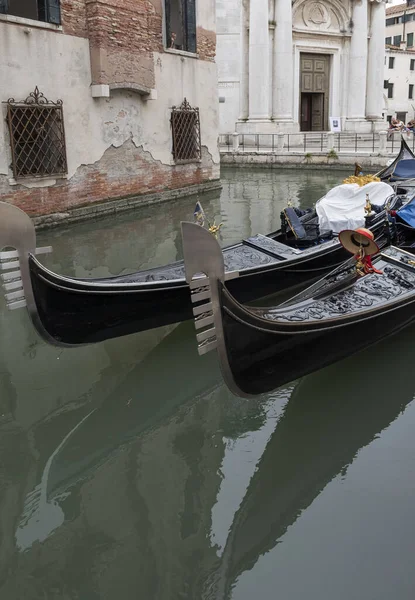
(330, 416)
(133, 477)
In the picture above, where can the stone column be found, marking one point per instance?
(282, 91)
(356, 117)
(244, 84)
(375, 70)
(258, 60)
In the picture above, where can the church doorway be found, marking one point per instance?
(314, 92)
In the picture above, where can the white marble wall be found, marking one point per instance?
(260, 87)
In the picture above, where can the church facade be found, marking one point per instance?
(289, 66)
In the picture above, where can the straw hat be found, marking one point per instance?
(354, 239)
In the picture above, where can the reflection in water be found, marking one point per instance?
(329, 417)
(128, 470)
(40, 516)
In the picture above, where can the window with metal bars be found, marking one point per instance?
(181, 25)
(37, 136)
(185, 126)
(48, 11)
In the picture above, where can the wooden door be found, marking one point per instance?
(317, 112)
(315, 82)
(306, 112)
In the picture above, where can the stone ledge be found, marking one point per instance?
(103, 90)
(112, 207)
(345, 161)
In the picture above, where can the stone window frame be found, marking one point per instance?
(48, 13)
(391, 64)
(412, 64)
(37, 140)
(189, 30)
(411, 91)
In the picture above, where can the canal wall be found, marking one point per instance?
(96, 210)
(343, 161)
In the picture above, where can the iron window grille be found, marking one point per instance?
(37, 136)
(185, 125)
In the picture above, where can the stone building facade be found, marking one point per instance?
(399, 70)
(288, 66)
(93, 85)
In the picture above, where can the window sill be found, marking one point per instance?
(181, 52)
(37, 182)
(187, 161)
(30, 23)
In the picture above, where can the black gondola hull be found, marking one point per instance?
(262, 348)
(75, 313)
(262, 361)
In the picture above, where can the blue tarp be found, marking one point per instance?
(407, 213)
(405, 169)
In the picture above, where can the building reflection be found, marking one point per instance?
(119, 499)
(330, 416)
(120, 488)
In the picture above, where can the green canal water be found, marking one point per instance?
(128, 470)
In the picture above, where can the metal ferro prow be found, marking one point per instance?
(205, 271)
(18, 236)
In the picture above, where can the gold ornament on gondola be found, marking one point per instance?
(361, 180)
(368, 206)
(360, 263)
(201, 219)
(214, 229)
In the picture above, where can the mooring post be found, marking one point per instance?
(330, 141)
(383, 139)
(235, 141)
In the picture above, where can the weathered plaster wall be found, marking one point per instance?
(117, 146)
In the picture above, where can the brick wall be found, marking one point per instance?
(123, 35)
(206, 44)
(73, 14)
(121, 172)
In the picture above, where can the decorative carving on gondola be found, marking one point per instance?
(245, 257)
(367, 293)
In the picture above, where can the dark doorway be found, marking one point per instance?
(312, 112)
(314, 91)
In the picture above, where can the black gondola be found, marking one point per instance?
(72, 312)
(402, 168)
(262, 348)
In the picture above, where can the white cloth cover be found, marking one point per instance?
(343, 207)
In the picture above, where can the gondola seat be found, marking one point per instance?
(305, 234)
(405, 169)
